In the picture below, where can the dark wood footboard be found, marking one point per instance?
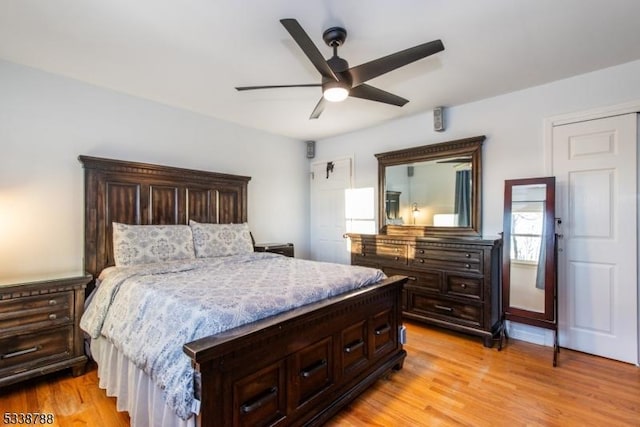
(300, 367)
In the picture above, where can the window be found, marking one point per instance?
(359, 210)
(526, 235)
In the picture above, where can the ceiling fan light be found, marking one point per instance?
(335, 93)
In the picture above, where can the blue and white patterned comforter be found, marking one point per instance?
(149, 311)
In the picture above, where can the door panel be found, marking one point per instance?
(592, 191)
(328, 222)
(595, 167)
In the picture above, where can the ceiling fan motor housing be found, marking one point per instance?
(334, 36)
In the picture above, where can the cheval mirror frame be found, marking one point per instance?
(529, 268)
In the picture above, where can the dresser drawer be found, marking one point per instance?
(21, 314)
(443, 309)
(18, 353)
(424, 280)
(467, 287)
(376, 254)
(456, 260)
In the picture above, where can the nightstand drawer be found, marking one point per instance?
(18, 353)
(38, 311)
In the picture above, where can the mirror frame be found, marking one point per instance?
(547, 318)
(468, 146)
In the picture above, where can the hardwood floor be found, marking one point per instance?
(447, 380)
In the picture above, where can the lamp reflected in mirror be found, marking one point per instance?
(415, 212)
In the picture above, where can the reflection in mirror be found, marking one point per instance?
(431, 193)
(527, 254)
(432, 190)
(392, 207)
(529, 257)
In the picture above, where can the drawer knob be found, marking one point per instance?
(421, 261)
(396, 258)
(463, 285)
(467, 266)
(467, 255)
(421, 251)
(53, 316)
(53, 302)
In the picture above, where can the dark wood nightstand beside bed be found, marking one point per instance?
(39, 327)
(285, 249)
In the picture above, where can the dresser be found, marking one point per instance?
(453, 282)
(39, 327)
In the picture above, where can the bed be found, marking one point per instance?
(297, 367)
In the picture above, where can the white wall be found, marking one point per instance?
(513, 124)
(46, 121)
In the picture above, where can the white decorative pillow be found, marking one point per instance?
(144, 244)
(213, 240)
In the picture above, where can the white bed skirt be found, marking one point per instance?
(135, 392)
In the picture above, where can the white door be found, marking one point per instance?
(328, 223)
(595, 167)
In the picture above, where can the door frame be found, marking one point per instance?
(592, 114)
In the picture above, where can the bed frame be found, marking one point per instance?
(297, 368)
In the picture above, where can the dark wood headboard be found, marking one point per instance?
(141, 193)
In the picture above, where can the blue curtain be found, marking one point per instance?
(540, 282)
(462, 205)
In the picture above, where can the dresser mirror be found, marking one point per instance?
(432, 189)
(529, 256)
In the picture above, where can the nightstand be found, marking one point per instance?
(40, 327)
(285, 249)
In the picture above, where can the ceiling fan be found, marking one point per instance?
(338, 80)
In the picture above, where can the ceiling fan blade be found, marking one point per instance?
(309, 49)
(240, 88)
(371, 93)
(318, 110)
(367, 71)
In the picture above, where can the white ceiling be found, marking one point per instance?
(192, 53)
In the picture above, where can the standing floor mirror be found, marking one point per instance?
(530, 253)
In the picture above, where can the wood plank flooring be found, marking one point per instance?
(448, 380)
